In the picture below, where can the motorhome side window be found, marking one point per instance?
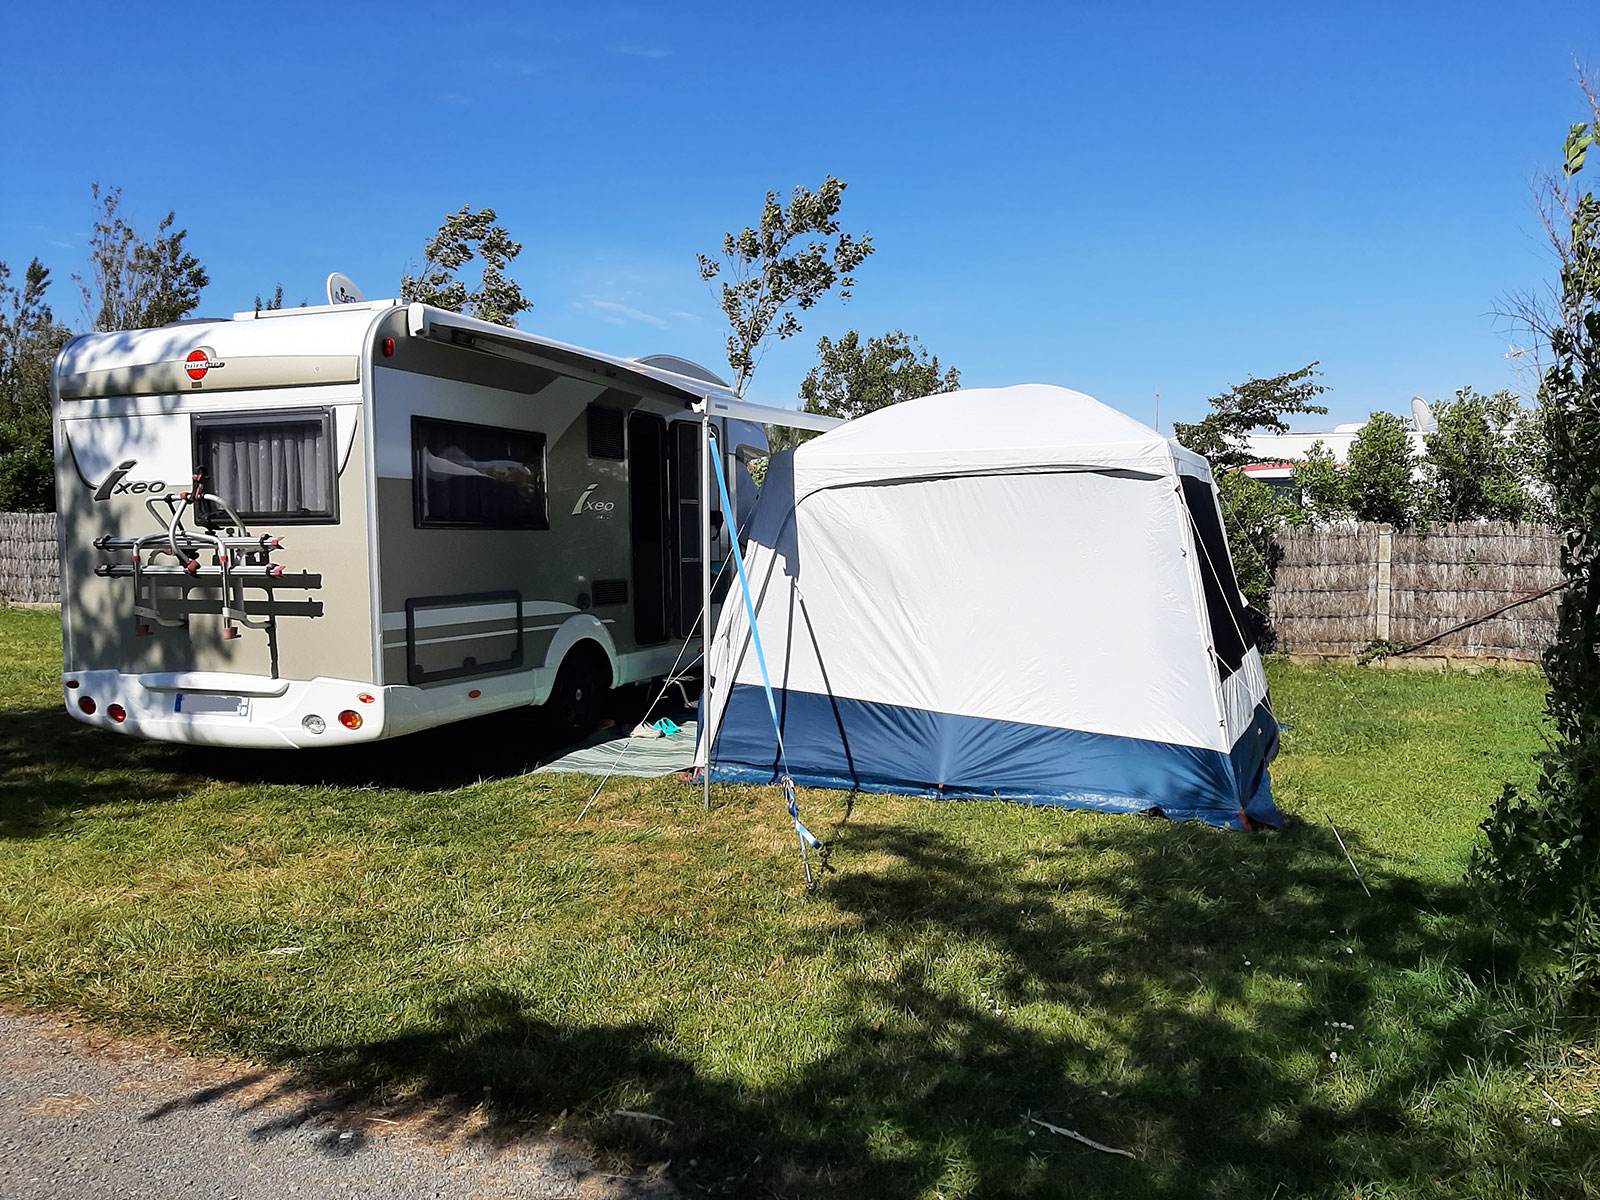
(277, 467)
(477, 476)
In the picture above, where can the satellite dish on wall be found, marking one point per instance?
(343, 290)
(1422, 416)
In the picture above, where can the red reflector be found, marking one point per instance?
(72, 683)
(474, 694)
(86, 704)
(350, 719)
(117, 713)
(366, 697)
(388, 347)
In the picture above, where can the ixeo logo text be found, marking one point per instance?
(199, 361)
(600, 508)
(118, 484)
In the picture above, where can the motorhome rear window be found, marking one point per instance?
(477, 476)
(271, 467)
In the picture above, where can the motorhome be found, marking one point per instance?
(1275, 454)
(317, 526)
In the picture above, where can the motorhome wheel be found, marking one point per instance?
(580, 686)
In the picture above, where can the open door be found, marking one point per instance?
(686, 525)
(649, 516)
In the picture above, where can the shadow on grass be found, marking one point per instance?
(1141, 981)
(50, 763)
(1161, 1015)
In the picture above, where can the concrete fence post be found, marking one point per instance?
(1382, 568)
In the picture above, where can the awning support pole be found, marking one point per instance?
(705, 592)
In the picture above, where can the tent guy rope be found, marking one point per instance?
(808, 840)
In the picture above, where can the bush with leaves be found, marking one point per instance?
(463, 236)
(1538, 872)
(1254, 514)
(1380, 473)
(29, 340)
(767, 277)
(1480, 459)
(27, 464)
(1321, 487)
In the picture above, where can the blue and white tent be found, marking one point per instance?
(1014, 592)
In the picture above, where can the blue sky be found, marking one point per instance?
(1124, 199)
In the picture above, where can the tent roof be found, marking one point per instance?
(1028, 427)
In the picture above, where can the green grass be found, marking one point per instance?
(422, 920)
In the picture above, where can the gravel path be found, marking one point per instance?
(83, 1114)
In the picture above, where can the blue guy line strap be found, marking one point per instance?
(808, 840)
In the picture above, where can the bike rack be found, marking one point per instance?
(239, 559)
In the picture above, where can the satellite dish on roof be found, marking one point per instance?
(343, 290)
(1422, 416)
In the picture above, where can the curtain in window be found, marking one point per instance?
(270, 468)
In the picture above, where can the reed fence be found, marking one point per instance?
(1341, 590)
(29, 569)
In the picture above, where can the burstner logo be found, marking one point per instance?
(200, 361)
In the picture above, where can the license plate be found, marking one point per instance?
(194, 703)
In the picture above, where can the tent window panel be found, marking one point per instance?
(1230, 631)
(477, 476)
(278, 468)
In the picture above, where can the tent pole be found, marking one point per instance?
(705, 591)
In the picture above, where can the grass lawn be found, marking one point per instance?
(421, 919)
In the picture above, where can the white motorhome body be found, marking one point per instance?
(319, 526)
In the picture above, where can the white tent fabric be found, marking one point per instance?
(1001, 592)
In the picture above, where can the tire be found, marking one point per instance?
(579, 692)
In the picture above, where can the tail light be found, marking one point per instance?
(117, 713)
(350, 719)
(86, 705)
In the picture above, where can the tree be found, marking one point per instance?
(29, 341)
(769, 279)
(1256, 405)
(273, 302)
(1538, 872)
(463, 236)
(1254, 513)
(1479, 460)
(1324, 490)
(135, 284)
(853, 378)
(1380, 472)
(1250, 511)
